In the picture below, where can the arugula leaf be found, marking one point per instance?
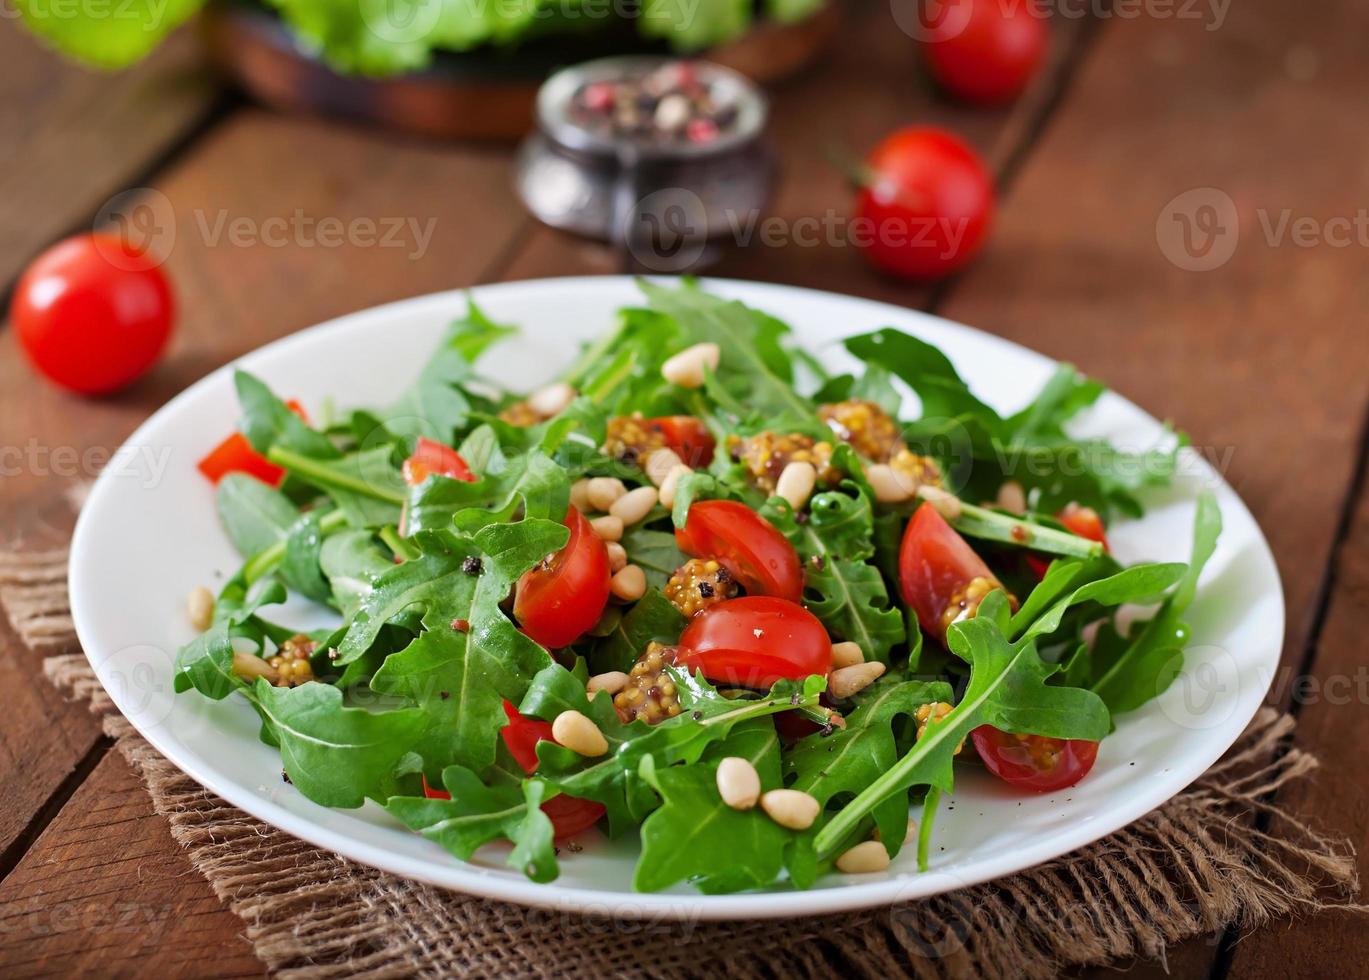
(533, 481)
(336, 756)
(850, 759)
(1138, 584)
(366, 485)
(299, 569)
(1147, 666)
(255, 515)
(351, 560)
(477, 814)
(1007, 689)
(841, 587)
(654, 552)
(267, 421)
(206, 662)
(110, 37)
(652, 618)
(695, 835)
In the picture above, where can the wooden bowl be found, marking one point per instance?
(483, 95)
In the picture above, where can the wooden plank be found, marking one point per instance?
(106, 892)
(866, 87)
(72, 138)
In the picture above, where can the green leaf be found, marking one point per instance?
(693, 26)
(113, 36)
(1140, 584)
(352, 560)
(206, 662)
(695, 835)
(477, 814)
(652, 618)
(533, 481)
(927, 371)
(367, 487)
(1008, 690)
(267, 421)
(841, 587)
(336, 756)
(255, 515)
(654, 552)
(299, 569)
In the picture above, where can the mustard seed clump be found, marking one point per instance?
(291, 662)
(650, 692)
(869, 429)
(700, 583)
(766, 454)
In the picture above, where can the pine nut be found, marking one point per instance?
(250, 667)
(617, 556)
(847, 654)
(864, 858)
(551, 399)
(738, 783)
(611, 681)
(659, 463)
(796, 483)
(791, 808)
(579, 734)
(946, 504)
(199, 605)
(628, 583)
(686, 368)
(1012, 498)
(634, 505)
(604, 492)
(846, 681)
(889, 487)
(579, 496)
(671, 483)
(607, 528)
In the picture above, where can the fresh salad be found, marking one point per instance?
(699, 590)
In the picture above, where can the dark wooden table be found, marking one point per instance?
(1264, 360)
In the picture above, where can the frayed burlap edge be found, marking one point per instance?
(1194, 866)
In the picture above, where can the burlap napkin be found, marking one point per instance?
(1196, 865)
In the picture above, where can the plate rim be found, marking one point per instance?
(468, 878)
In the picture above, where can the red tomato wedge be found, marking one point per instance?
(1083, 521)
(560, 598)
(755, 641)
(236, 455)
(1034, 763)
(431, 457)
(934, 564)
(569, 815)
(688, 436)
(751, 548)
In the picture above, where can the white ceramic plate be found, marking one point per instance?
(149, 533)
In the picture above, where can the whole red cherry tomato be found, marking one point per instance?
(688, 436)
(568, 814)
(934, 566)
(1083, 521)
(749, 546)
(93, 313)
(985, 51)
(1034, 762)
(928, 200)
(755, 641)
(431, 457)
(560, 598)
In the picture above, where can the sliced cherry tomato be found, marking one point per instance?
(236, 455)
(1083, 521)
(985, 51)
(569, 815)
(93, 313)
(928, 200)
(431, 457)
(755, 641)
(757, 555)
(688, 436)
(557, 600)
(1034, 762)
(934, 564)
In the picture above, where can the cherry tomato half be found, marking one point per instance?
(557, 600)
(1034, 762)
(934, 564)
(1083, 521)
(755, 641)
(688, 436)
(928, 199)
(751, 548)
(236, 455)
(985, 51)
(431, 457)
(93, 313)
(569, 815)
